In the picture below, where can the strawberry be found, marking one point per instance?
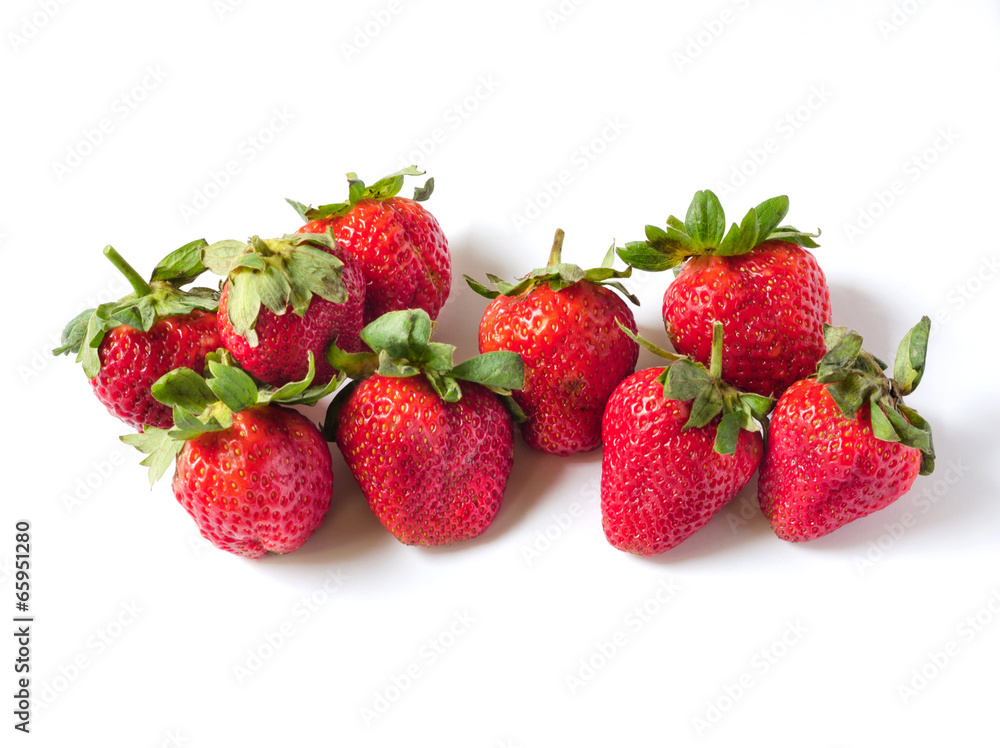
(679, 444)
(398, 244)
(842, 443)
(758, 279)
(254, 474)
(562, 319)
(284, 298)
(432, 457)
(127, 345)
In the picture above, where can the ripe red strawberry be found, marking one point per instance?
(432, 458)
(255, 475)
(679, 444)
(397, 243)
(758, 279)
(284, 298)
(843, 444)
(127, 345)
(563, 321)
(261, 486)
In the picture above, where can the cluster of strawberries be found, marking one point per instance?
(209, 379)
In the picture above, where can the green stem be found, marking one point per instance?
(354, 365)
(261, 246)
(555, 256)
(139, 285)
(650, 346)
(715, 363)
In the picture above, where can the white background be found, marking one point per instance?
(878, 119)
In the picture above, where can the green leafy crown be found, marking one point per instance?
(710, 395)
(150, 301)
(276, 274)
(558, 275)
(703, 232)
(383, 189)
(204, 404)
(401, 347)
(855, 377)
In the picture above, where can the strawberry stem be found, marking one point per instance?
(139, 285)
(261, 246)
(715, 363)
(555, 256)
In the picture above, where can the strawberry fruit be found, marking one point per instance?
(679, 444)
(125, 346)
(562, 320)
(759, 279)
(842, 443)
(255, 475)
(284, 299)
(397, 243)
(431, 456)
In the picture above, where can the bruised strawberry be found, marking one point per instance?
(285, 298)
(127, 345)
(564, 322)
(431, 456)
(843, 444)
(679, 444)
(256, 476)
(396, 242)
(758, 279)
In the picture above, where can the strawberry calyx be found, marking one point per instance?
(202, 404)
(557, 275)
(276, 274)
(711, 396)
(703, 232)
(150, 301)
(854, 377)
(383, 189)
(401, 347)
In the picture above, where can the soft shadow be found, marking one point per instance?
(739, 523)
(349, 530)
(532, 478)
(952, 503)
